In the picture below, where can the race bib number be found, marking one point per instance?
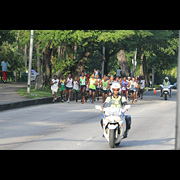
(83, 83)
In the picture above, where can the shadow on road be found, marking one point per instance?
(146, 142)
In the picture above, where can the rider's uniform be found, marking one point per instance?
(115, 102)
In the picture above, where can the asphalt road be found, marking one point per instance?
(77, 127)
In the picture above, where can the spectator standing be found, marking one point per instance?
(87, 76)
(95, 72)
(118, 72)
(4, 65)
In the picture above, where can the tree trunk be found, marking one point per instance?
(25, 56)
(123, 64)
(47, 65)
(141, 65)
(145, 70)
(38, 59)
(79, 67)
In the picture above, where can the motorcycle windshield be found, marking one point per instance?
(113, 111)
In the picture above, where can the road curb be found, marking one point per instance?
(4, 107)
(31, 102)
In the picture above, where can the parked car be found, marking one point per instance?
(33, 75)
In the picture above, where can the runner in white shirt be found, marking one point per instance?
(69, 87)
(133, 87)
(75, 89)
(142, 86)
(54, 87)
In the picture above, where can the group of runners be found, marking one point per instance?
(92, 87)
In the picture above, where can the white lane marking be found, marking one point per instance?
(87, 140)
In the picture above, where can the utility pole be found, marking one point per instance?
(134, 62)
(102, 74)
(153, 72)
(30, 61)
(177, 143)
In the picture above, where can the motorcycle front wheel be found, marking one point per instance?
(112, 138)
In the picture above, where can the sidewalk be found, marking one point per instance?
(10, 99)
(8, 92)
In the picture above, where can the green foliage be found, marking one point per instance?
(9, 52)
(68, 48)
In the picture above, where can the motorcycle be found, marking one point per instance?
(115, 124)
(166, 91)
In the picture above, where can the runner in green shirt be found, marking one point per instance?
(92, 88)
(82, 82)
(105, 86)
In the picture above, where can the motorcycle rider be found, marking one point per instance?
(166, 82)
(116, 100)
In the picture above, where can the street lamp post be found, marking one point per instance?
(30, 61)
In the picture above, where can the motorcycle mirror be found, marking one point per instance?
(98, 108)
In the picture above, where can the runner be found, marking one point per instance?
(75, 88)
(133, 86)
(142, 86)
(110, 84)
(128, 87)
(62, 88)
(69, 86)
(98, 87)
(137, 88)
(117, 79)
(124, 87)
(104, 86)
(54, 87)
(83, 82)
(87, 93)
(92, 88)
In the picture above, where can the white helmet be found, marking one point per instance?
(167, 78)
(116, 85)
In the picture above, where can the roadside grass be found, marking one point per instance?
(35, 94)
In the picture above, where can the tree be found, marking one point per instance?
(114, 41)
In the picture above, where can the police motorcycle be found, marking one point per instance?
(166, 91)
(114, 121)
(166, 88)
